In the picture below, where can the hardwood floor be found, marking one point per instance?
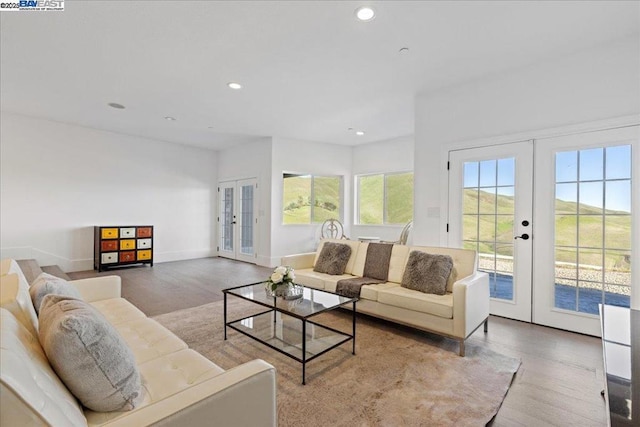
(558, 384)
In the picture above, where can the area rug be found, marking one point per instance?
(398, 377)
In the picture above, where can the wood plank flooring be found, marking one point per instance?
(558, 384)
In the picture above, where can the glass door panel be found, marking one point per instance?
(246, 220)
(490, 202)
(583, 252)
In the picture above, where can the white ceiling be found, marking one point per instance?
(310, 70)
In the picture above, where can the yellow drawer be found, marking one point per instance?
(109, 233)
(146, 254)
(127, 244)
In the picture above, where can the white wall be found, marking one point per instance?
(252, 160)
(309, 158)
(60, 180)
(394, 155)
(593, 85)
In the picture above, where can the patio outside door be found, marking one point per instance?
(490, 211)
(237, 220)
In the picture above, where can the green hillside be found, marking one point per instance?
(480, 206)
(297, 203)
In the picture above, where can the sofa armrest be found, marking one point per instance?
(470, 303)
(299, 261)
(221, 401)
(98, 288)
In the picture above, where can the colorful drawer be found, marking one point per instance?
(116, 246)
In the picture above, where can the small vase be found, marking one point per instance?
(285, 290)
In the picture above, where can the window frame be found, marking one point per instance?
(312, 196)
(385, 212)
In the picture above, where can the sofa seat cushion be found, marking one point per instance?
(118, 310)
(163, 377)
(148, 339)
(370, 292)
(309, 278)
(437, 305)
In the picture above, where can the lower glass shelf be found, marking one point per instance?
(284, 333)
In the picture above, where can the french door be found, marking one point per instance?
(490, 211)
(554, 267)
(585, 226)
(237, 220)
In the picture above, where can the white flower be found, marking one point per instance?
(276, 277)
(282, 270)
(291, 276)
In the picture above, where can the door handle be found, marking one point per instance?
(525, 236)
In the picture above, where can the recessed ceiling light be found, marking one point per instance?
(171, 119)
(365, 13)
(234, 85)
(116, 105)
(359, 133)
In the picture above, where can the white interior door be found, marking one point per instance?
(586, 220)
(490, 210)
(238, 220)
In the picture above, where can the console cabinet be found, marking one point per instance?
(115, 246)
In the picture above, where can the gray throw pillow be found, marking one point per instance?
(88, 354)
(333, 258)
(427, 273)
(46, 284)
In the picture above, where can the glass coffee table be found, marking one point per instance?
(286, 326)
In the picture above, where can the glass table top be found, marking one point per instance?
(312, 302)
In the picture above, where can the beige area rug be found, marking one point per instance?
(398, 377)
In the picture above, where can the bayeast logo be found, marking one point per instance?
(32, 5)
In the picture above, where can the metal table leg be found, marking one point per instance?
(225, 316)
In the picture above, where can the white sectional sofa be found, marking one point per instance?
(457, 314)
(179, 386)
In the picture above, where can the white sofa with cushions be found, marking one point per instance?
(456, 314)
(179, 386)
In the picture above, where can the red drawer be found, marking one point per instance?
(127, 256)
(109, 245)
(144, 232)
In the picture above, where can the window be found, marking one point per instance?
(308, 199)
(385, 198)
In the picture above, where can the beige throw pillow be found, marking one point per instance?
(88, 354)
(46, 284)
(333, 258)
(427, 273)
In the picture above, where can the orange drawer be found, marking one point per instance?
(109, 233)
(146, 254)
(109, 245)
(127, 256)
(127, 244)
(144, 232)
